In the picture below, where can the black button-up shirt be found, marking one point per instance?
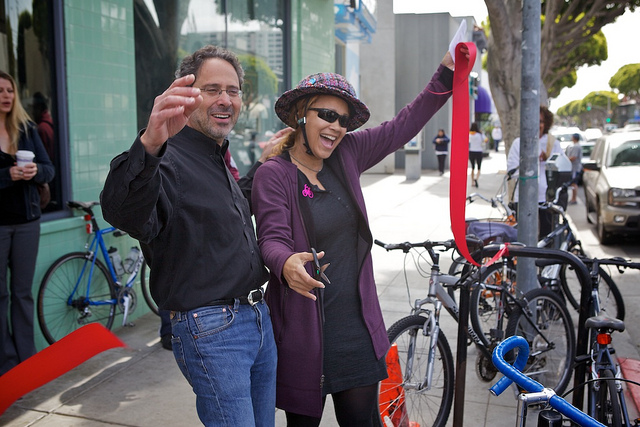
(191, 218)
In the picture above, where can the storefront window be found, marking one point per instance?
(27, 53)
(255, 30)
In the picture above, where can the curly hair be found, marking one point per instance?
(547, 119)
(191, 63)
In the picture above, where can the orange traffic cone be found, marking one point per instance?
(393, 410)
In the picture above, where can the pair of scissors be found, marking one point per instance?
(318, 270)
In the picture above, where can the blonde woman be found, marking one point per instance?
(19, 224)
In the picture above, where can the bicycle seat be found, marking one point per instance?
(603, 322)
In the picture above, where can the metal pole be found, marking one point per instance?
(529, 140)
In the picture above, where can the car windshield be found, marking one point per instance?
(564, 137)
(626, 154)
(586, 150)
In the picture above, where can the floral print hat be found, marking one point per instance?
(323, 84)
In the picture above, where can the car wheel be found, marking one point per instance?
(603, 235)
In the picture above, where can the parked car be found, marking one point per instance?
(611, 182)
(587, 148)
(565, 134)
(592, 134)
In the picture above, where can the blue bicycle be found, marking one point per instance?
(79, 288)
(536, 393)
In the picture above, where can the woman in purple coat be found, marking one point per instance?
(328, 327)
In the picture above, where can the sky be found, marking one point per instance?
(622, 50)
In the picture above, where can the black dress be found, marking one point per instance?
(349, 360)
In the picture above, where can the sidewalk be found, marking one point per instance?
(141, 385)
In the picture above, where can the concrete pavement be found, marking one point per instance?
(141, 385)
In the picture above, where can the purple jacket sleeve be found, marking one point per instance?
(374, 144)
(275, 207)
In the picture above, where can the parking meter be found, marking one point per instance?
(412, 159)
(558, 172)
(415, 145)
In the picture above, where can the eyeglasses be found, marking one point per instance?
(331, 116)
(213, 91)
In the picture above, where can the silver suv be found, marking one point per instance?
(611, 182)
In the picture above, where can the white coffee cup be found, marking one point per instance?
(24, 157)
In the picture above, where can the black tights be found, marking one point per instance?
(355, 407)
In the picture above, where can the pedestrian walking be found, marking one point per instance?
(441, 145)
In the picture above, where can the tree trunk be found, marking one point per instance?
(504, 61)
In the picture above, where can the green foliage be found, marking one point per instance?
(567, 79)
(627, 80)
(258, 78)
(592, 51)
(600, 100)
(593, 108)
(570, 109)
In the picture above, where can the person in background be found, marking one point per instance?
(496, 134)
(476, 141)
(19, 224)
(42, 117)
(548, 146)
(574, 153)
(330, 335)
(173, 192)
(441, 144)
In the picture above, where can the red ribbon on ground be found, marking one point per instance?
(460, 147)
(55, 360)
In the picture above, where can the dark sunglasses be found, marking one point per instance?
(331, 116)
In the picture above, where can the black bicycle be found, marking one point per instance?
(420, 386)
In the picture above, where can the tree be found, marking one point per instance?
(566, 39)
(627, 80)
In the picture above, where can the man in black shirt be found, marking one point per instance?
(173, 192)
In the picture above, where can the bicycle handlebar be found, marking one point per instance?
(514, 374)
(427, 244)
(617, 261)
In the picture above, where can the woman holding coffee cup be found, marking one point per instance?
(23, 165)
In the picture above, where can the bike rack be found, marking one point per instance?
(580, 369)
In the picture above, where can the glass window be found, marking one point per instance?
(255, 30)
(27, 53)
(627, 154)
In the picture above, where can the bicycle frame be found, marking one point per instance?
(98, 244)
(537, 393)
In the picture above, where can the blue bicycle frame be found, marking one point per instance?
(96, 242)
(537, 393)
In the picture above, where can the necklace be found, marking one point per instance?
(303, 165)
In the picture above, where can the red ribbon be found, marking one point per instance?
(55, 360)
(460, 147)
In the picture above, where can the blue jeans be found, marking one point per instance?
(228, 355)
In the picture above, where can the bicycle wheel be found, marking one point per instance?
(488, 317)
(146, 292)
(545, 323)
(402, 398)
(608, 408)
(610, 297)
(64, 307)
